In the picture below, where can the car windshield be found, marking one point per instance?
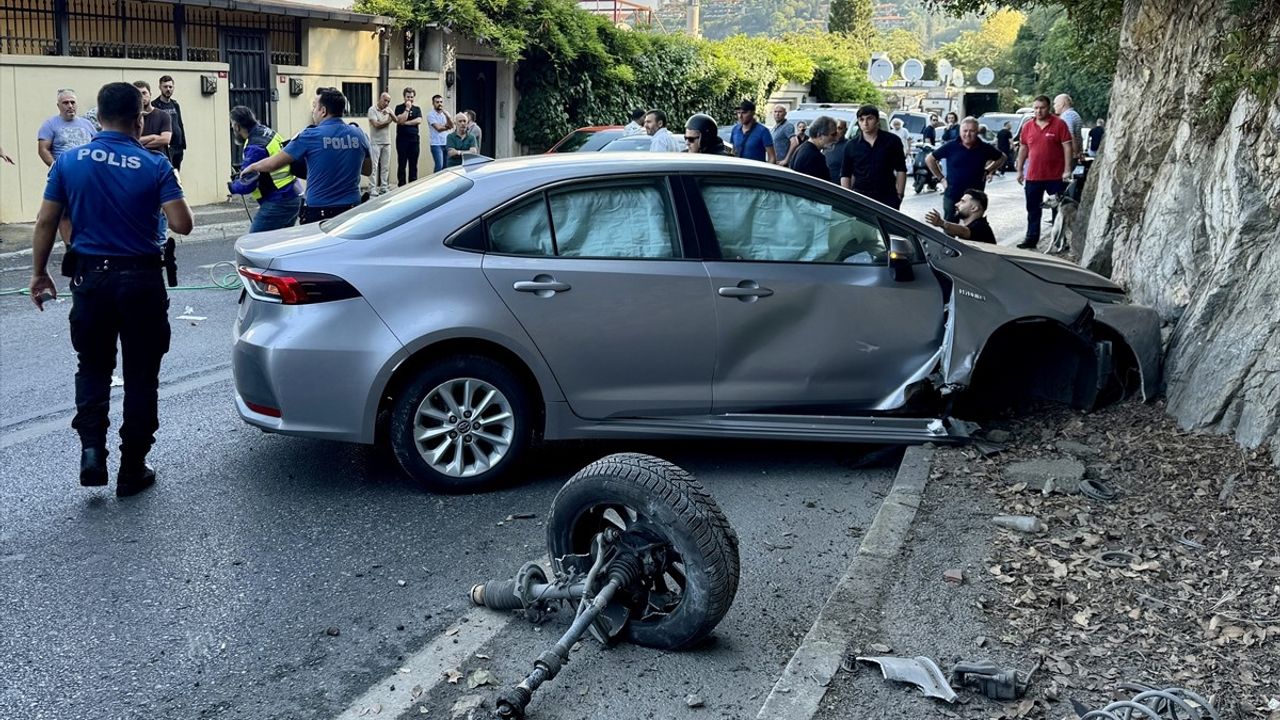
(913, 123)
(587, 140)
(629, 144)
(396, 207)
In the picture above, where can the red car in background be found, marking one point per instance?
(587, 139)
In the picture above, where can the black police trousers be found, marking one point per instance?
(133, 307)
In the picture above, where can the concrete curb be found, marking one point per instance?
(855, 602)
(201, 233)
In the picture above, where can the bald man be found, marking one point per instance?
(380, 120)
(1062, 107)
(783, 130)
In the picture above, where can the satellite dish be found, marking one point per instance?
(912, 70)
(986, 76)
(957, 77)
(944, 70)
(881, 70)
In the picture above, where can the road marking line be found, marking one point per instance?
(799, 690)
(58, 420)
(426, 668)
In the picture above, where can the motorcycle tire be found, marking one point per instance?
(919, 185)
(629, 488)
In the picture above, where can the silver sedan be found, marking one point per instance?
(464, 316)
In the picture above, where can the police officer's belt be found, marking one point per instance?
(119, 263)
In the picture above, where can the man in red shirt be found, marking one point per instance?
(1043, 164)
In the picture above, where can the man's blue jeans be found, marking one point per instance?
(437, 157)
(276, 214)
(1035, 190)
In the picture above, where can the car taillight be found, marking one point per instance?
(295, 288)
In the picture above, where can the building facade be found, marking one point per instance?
(270, 56)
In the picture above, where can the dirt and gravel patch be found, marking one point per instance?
(1174, 581)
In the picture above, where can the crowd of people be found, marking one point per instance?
(875, 161)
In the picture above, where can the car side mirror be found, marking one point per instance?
(902, 254)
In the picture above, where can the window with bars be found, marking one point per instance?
(138, 29)
(359, 98)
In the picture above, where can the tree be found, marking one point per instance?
(985, 46)
(851, 17)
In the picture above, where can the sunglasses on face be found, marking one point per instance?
(692, 138)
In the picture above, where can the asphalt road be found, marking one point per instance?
(211, 595)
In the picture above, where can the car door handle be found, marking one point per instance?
(541, 285)
(744, 291)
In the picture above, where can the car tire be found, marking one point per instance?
(434, 433)
(668, 499)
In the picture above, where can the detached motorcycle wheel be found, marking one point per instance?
(629, 491)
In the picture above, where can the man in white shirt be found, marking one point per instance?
(655, 123)
(1062, 107)
(380, 120)
(636, 126)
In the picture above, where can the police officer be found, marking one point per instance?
(336, 155)
(115, 192)
(276, 192)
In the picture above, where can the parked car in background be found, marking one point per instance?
(630, 143)
(587, 139)
(655, 295)
(992, 122)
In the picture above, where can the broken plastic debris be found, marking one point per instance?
(1021, 523)
(919, 671)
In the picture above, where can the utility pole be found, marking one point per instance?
(695, 18)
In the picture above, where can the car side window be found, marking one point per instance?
(623, 219)
(522, 230)
(755, 223)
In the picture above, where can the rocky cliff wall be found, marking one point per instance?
(1188, 218)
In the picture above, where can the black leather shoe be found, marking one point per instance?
(1029, 246)
(93, 467)
(133, 480)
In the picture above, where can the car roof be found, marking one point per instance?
(598, 128)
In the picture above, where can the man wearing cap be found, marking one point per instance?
(874, 162)
(750, 139)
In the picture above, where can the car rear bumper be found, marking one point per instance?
(315, 365)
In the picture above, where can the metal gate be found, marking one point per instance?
(247, 53)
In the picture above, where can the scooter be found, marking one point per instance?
(920, 171)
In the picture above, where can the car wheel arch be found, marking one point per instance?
(412, 366)
(1031, 357)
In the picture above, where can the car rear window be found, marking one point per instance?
(913, 123)
(397, 207)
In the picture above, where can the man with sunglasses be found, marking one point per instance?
(702, 135)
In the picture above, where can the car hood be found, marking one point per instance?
(261, 248)
(1052, 269)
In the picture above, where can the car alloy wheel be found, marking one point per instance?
(464, 427)
(461, 424)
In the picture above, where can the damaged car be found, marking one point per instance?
(463, 317)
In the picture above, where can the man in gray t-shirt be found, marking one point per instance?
(783, 130)
(64, 130)
(380, 120)
(1062, 106)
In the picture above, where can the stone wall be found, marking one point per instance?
(1188, 219)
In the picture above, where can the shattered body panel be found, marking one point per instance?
(1140, 328)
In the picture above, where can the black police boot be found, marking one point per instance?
(133, 478)
(93, 466)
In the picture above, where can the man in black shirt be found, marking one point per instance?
(157, 128)
(1095, 136)
(875, 162)
(1004, 143)
(177, 141)
(408, 136)
(972, 211)
(808, 157)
